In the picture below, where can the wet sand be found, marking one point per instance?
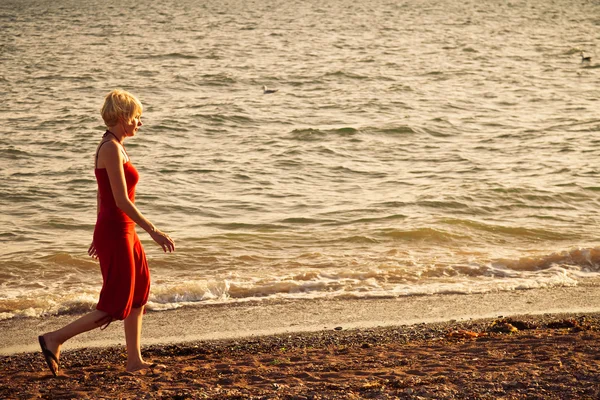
(379, 348)
(274, 317)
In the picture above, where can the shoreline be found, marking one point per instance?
(244, 320)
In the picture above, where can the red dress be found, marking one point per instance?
(125, 274)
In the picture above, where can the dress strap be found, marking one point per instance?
(98, 149)
(110, 133)
(107, 319)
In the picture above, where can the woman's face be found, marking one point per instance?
(132, 126)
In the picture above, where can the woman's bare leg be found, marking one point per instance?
(95, 319)
(133, 333)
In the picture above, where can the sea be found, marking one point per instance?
(412, 148)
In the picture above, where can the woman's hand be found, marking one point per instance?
(163, 240)
(92, 251)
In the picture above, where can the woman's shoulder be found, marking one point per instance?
(108, 144)
(108, 152)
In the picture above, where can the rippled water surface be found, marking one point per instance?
(412, 147)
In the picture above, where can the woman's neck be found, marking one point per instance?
(116, 132)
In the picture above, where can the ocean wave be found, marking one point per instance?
(14, 154)
(507, 231)
(346, 171)
(586, 259)
(344, 74)
(386, 279)
(400, 130)
(217, 80)
(169, 56)
(371, 220)
(303, 221)
(224, 119)
(428, 234)
(449, 204)
(312, 134)
(235, 226)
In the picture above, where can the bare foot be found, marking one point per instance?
(142, 365)
(52, 344)
(50, 351)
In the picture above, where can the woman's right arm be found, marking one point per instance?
(113, 162)
(92, 249)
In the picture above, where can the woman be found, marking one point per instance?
(126, 279)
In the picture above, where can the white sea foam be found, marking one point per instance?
(386, 280)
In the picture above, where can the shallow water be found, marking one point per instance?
(411, 148)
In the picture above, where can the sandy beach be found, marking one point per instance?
(543, 357)
(501, 345)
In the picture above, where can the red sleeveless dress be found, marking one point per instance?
(125, 274)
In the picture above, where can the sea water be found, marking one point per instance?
(413, 147)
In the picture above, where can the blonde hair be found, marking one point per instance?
(118, 105)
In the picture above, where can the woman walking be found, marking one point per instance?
(126, 279)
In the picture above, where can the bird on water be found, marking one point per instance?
(585, 59)
(269, 91)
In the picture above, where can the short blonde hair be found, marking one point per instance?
(118, 105)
